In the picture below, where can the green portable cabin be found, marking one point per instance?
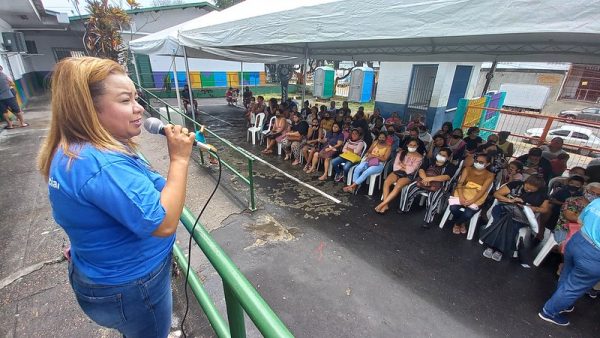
(324, 80)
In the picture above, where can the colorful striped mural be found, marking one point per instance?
(210, 79)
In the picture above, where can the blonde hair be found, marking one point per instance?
(76, 84)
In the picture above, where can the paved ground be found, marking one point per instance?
(328, 269)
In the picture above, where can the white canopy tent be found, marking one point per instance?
(427, 30)
(166, 42)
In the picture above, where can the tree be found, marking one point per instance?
(102, 37)
(160, 3)
(222, 4)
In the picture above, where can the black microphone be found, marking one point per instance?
(156, 126)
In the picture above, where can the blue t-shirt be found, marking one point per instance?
(591, 221)
(109, 205)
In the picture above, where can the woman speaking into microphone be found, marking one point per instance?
(119, 214)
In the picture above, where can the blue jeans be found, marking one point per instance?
(363, 171)
(141, 308)
(461, 216)
(580, 272)
(344, 163)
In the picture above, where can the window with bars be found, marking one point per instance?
(61, 53)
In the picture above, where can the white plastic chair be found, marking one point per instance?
(265, 132)
(472, 222)
(546, 248)
(256, 129)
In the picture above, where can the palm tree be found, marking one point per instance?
(103, 28)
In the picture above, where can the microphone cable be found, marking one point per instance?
(187, 275)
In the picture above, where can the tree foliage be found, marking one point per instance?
(103, 29)
(222, 4)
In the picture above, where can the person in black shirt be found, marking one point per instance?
(413, 133)
(185, 97)
(535, 164)
(473, 140)
(500, 236)
(345, 110)
(430, 180)
(295, 138)
(361, 122)
(247, 96)
(305, 111)
(558, 197)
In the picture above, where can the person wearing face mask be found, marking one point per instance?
(406, 163)
(470, 193)
(560, 181)
(508, 215)
(535, 164)
(349, 156)
(331, 145)
(457, 145)
(413, 134)
(430, 181)
(493, 151)
(424, 135)
(558, 198)
(473, 140)
(392, 139)
(439, 142)
(372, 163)
(567, 223)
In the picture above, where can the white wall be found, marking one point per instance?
(45, 41)
(394, 80)
(444, 79)
(16, 62)
(163, 64)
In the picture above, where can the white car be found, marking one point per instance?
(572, 135)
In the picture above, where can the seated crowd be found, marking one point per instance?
(475, 176)
(527, 199)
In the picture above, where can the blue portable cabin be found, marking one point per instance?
(361, 84)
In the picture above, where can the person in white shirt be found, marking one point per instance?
(553, 149)
(424, 135)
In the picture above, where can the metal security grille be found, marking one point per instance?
(421, 88)
(61, 53)
(582, 84)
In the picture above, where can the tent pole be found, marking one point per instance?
(242, 78)
(304, 74)
(135, 67)
(488, 77)
(188, 79)
(176, 83)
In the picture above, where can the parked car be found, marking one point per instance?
(589, 113)
(572, 135)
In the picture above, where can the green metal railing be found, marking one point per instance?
(240, 295)
(249, 179)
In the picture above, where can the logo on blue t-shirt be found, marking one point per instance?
(53, 184)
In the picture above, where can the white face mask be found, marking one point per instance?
(479, 166)
(412, 149)
(440, 158)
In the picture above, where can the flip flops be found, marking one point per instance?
(25, 125)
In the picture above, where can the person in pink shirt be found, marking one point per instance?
(407, 162)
